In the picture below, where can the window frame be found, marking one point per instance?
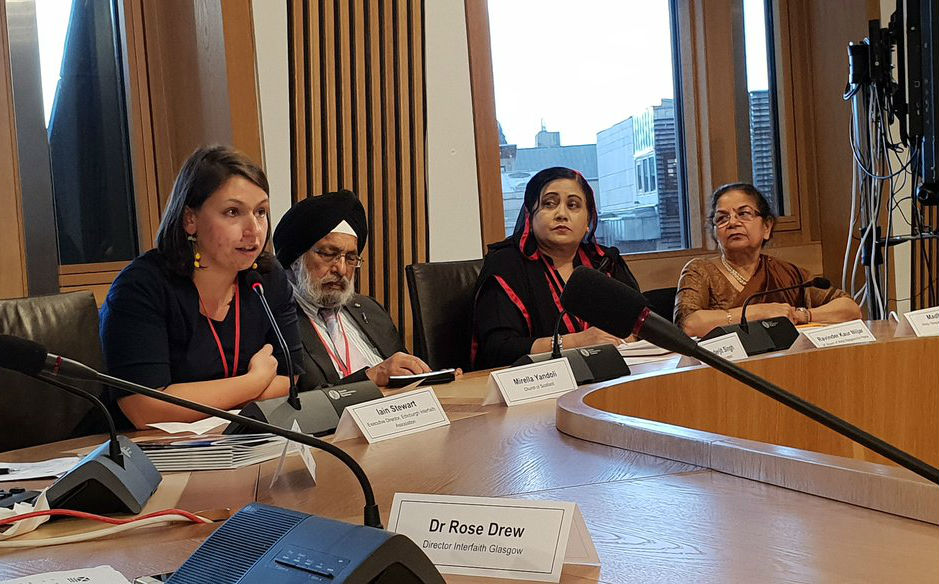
(712, 117)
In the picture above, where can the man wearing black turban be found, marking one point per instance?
(346, 337)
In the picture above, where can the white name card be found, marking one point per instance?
(924, 323)
(836, 335)
(393, 416)
(727, 346)
(495, 537)
(528, 383)
(306, 455)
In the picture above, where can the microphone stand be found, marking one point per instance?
(114, 449)
(743, 311)
(116, 476)
(371, 515)
(556, 339)
(293, 397)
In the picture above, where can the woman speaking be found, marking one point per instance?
(182, 318)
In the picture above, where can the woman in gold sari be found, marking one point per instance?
(712, 291)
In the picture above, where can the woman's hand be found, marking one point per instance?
(771, 310)
(263, 366)
(591, 336)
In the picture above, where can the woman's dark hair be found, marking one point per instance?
(537, 183)
(203, 173)
(762, 205)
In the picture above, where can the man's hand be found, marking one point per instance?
(397, 364)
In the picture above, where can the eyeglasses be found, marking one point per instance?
(351, 259)
(745, 215)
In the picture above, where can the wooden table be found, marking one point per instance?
(652, 519)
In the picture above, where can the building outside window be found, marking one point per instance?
(600, 85)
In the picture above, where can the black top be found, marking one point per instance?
(153, 333)
(518, 292)
(374, 323)
(518, 300)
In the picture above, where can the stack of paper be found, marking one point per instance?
(211, 452)
(643, 352)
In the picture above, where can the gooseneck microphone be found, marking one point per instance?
(254, 280)
(618, 309)
(556, 339)
(822, 283)
(116, 476)
(37, 364)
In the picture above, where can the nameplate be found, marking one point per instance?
(922, 323)
(528, 383)
(495, 537)
(393, 416)
(306, 455)
(727, 346)
(836, 335)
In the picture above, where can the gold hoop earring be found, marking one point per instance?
(197, 261)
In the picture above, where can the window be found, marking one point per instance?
(593, 89)
(86, 124)
(762, 100)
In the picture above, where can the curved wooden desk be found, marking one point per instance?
(698, 415)
(653, 519)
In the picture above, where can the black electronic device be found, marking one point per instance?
(620, 310)
(97, 484)
(588, 364)
(116, 476)
(429, 378)
(262, 544)
(315, 412)
(16, 495)
(319, 413)
(769, 334)
(371, 552)
(761, 336)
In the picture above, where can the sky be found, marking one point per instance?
(52, 18)
(582, 67)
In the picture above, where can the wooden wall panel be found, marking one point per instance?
(357, 122)
(12, 239)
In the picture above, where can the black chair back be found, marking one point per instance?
(34, 412)
(662, 302)
(442, 303)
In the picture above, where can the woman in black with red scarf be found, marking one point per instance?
(518, 293)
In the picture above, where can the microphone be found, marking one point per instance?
(316, 411)
(254, 280)
(617, 308)
(556, 339)
(369, 553)
(115, 477)
(37, 366)
(822, 283)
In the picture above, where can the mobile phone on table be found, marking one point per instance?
(430, 378)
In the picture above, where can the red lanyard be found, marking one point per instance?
(218, 342)
(553, 278)
(344, 366)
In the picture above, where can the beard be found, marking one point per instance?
(313, 290)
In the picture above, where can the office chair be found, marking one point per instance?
(662, 302)
(33, 412)
(442, 304)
